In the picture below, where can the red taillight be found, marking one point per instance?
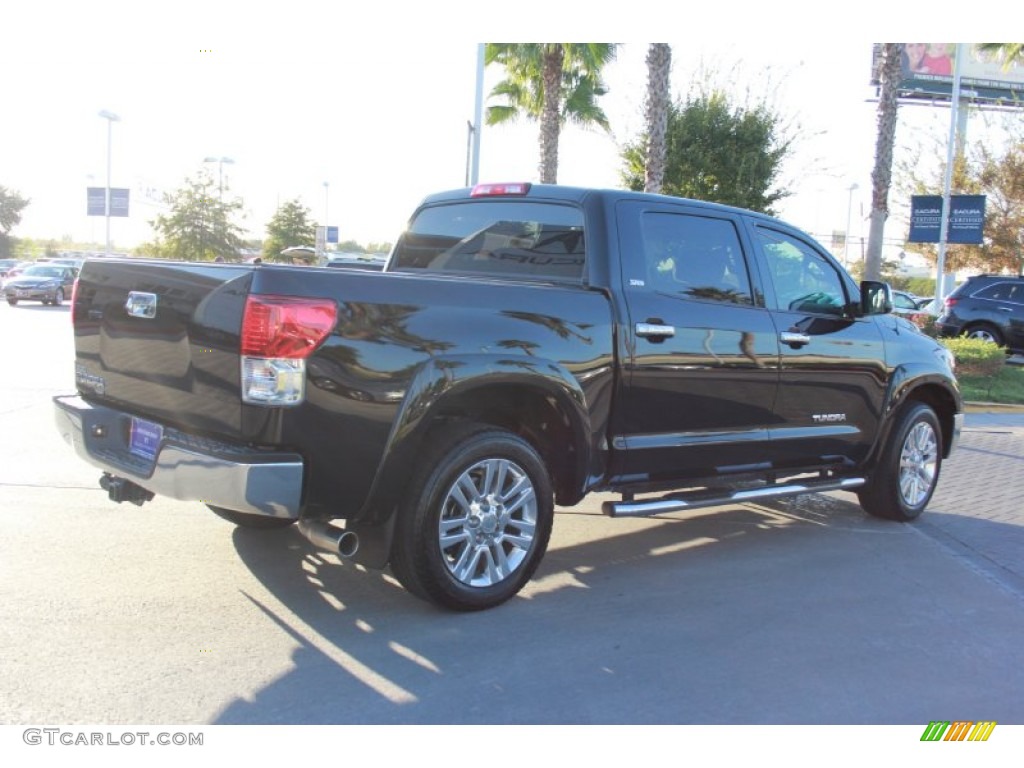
(286, 326)
(950, 301)
(493, 190)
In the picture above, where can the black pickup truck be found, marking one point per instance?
(524, 346)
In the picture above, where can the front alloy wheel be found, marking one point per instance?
(919, 464)
(902, 483)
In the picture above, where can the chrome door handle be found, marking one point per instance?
(794, 339)
(655, 330)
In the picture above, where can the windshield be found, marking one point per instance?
(42, 271)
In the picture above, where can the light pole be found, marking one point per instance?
(90, 181)
(221, 162)
(111, 118)
(849, 219)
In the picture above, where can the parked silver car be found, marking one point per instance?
(48, 283)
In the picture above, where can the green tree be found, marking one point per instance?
(998, 174)
(659, 99)
(881, 175)
(717, 151)
(199, 225)
(351, 246)
(291, 225)
(11, 206)
(551, 83)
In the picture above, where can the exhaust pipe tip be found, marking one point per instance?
(322, 534)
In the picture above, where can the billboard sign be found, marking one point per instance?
(96, 201)
(927, 73)
(332, 234)
(966, 219)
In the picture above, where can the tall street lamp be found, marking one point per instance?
(111, 118)
(220, 161)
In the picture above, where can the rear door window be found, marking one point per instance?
(1003, 292)
(696, 257)
(534, 241)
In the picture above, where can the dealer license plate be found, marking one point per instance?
(145, 437)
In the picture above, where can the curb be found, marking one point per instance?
(992, 408)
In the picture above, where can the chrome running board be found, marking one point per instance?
(701, 499)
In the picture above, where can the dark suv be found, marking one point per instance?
(988, 307)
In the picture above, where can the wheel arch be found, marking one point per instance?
(938, 392)
(537, 399)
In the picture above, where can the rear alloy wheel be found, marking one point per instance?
(476, 519)
(984, 333)
(249, 520)
(908, 472)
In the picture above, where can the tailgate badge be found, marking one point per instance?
(141, 304)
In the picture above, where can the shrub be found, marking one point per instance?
(975, 357)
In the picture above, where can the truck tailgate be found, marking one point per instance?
(161, 339)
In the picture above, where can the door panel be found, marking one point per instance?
(833, 371)
(702, 370)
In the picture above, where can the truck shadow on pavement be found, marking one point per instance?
(626, 621)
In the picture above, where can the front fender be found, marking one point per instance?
(918, 381)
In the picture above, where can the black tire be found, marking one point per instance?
(13, 302)
(907, 473)
(487, 492)
(249, 520)
(58, 297)
(984, 332)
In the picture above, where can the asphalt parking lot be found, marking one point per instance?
(803, 611)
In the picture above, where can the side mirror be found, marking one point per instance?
(875, 297)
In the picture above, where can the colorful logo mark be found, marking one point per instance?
(959, 730)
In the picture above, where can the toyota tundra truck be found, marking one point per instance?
(524, 346)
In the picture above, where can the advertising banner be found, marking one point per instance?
(927, 73)
(966, 219)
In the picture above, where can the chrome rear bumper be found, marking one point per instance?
(184, 467)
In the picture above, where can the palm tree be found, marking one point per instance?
(881, 175)
(1008, 52)
(659, 68)
(550, 83)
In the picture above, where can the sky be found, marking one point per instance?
(359, 114)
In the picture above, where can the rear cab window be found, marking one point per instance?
(523, 240)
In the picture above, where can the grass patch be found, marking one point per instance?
(1006, 386)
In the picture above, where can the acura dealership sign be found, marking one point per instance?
(966, 219)
(97, 201)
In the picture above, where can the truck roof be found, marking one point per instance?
(578, 195)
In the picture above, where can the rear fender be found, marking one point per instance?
(446, 387)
